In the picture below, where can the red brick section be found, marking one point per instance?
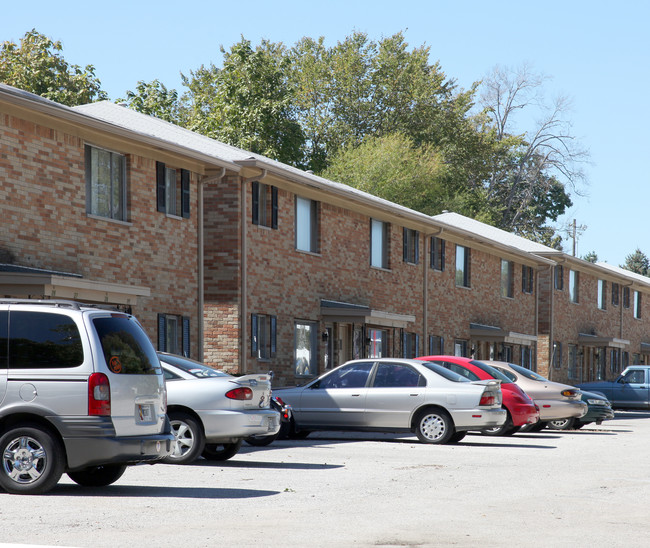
(45, 225)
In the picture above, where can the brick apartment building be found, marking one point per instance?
(251, 265)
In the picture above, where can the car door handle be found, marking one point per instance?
(355, 395)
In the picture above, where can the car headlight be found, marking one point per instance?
(597, 402)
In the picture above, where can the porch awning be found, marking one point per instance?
(645, 348)
(587, 339)
(491, 333)
(336, 311)
(22, 281)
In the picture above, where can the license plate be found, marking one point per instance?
(145, 413)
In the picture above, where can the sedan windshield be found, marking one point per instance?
(193, 368)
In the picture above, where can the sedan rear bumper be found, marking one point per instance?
(550, 410)
(478, 419)
(222, 425)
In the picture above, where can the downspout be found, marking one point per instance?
(201, 259)
(244, 268)
(425, 290)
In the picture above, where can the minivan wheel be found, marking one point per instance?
(189, 440)
(98, 476)
(434, 426)
(221, 451)
(32, 460)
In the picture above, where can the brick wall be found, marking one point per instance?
(45, 225)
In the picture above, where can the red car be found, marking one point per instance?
(521, 408)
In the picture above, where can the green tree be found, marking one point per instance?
(591, 257)
(394, 168)
(637, 262)
(248, 103)
(37, 66)
(155, 99)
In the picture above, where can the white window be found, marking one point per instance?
(105, 184)
(378, 244)
(306, 225)
(507, 279)
(573, 286)
(637, 305)
(602, 290)
(462, 266)
(378, 343)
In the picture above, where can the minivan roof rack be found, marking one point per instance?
(62, 303)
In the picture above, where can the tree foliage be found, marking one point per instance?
(155, 99)
(247, 103)
(637, 262)
(37, 65)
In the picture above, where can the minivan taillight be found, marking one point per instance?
(99, 395)
(241, 393)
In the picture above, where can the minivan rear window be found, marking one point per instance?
(43, 340)
(127, 350)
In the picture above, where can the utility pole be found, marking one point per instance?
(574, 232)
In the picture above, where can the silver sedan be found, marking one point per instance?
(211, 412)
(395, 395)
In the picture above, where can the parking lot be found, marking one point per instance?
(586, 487)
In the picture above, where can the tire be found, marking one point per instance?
(506, 429)
(261, 441)
(563, 424)
(434, 426)
(98, 476)
(33, 460)
(189, 440)
(457, 437)
(221, 451)
(294, 434)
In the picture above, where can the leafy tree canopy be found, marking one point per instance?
(155, 99)
(637, 262)
(37, 66)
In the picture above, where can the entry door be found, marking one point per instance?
(344, 343)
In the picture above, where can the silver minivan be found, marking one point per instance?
(81, 392)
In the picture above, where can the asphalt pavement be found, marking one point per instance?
(589, 487)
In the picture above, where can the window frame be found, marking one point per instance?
(263, 336)
(411, 245)
(379, 230)
(312, 222)
(92, 188)
(463, 275)
(507, 279)
(183, 334)
(182, 190)
(264, 210)
(437, 254)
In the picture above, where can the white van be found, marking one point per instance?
(81, 392)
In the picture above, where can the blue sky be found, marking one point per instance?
(597, 53)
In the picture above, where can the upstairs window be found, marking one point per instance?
(462, 266)
(105, 184)
(527, 279)
(411, 246)
(558, 277)
(437, 254)
(626, 297)
(602, 294)
(378, 244)
(173, 191)
(507, 279)
(265, 205)
(573, 286)
(615, 294)
(306, 225)
(637, 305)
